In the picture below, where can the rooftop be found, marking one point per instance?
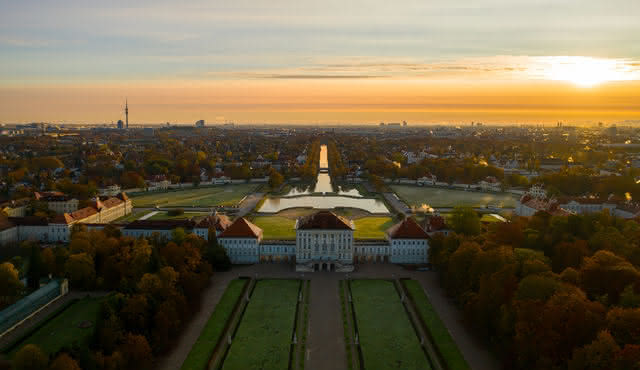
(326, 220)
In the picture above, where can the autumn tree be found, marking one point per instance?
(30, 357)
(80, 270)
(137, 352)
(465, 220)
(597, 355)
(64, 362)
(10, 284)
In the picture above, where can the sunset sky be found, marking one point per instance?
(454, 61)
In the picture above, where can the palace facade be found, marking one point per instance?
(325, 241)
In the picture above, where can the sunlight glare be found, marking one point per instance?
(585, 71)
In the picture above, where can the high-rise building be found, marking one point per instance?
(126, 112)
(200, 123)
(120, 124)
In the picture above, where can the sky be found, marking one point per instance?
(319, 62)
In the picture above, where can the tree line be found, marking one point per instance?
(548, 292)
(155, 285)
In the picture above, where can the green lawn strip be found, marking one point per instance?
(130, 217)
(263, 339)
(62, 330)
(184, 216)
(387, 339)
(443, 341)
(302, 327)
(441, 197)
(202, 350)
(226, 195)
(372, 227)
(276, 227)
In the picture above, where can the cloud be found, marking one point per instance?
(501, 67)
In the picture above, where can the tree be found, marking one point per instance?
(30, 357)
(597, 355)
(64, 362)
(137, 352)
(465, 220)
(607, 274)
(36, 267)
(80, 270)
(624, 325)
(275, 179)
(10, 284)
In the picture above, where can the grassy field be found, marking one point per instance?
(226, 195)
(62, 330)
(387, 339)
(186, 215)
(130, 217)
(276, 227)
(438, 197)
(265, 333)
(201, 351)
(372, 227)
(445, 345)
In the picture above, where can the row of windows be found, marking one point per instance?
(408, 242)
(340, 255)
(409, 252)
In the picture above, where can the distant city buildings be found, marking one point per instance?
(200, 123)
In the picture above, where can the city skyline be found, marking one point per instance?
(290, 62)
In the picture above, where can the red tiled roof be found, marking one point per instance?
(45, 194)
(324, 220)
(84, 213)
(111, 202)
(407, 229)
(241, 228)
(64, 218)
(220, 222)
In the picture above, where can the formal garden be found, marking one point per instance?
(202, 350)
(264, 337)
(385, 333)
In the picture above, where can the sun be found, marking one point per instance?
(585, 71)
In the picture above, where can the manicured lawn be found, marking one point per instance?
(62, 330)
(186, 215)
(387, 339)
(438, 197)
(445, 345)
(276, 227)
(202, 350)
(372, 227)
(224, 195)
(265, 334)
(130, 217)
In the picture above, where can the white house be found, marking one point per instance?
(241, 241)
(409, 242)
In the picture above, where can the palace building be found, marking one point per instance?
(325, 241)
